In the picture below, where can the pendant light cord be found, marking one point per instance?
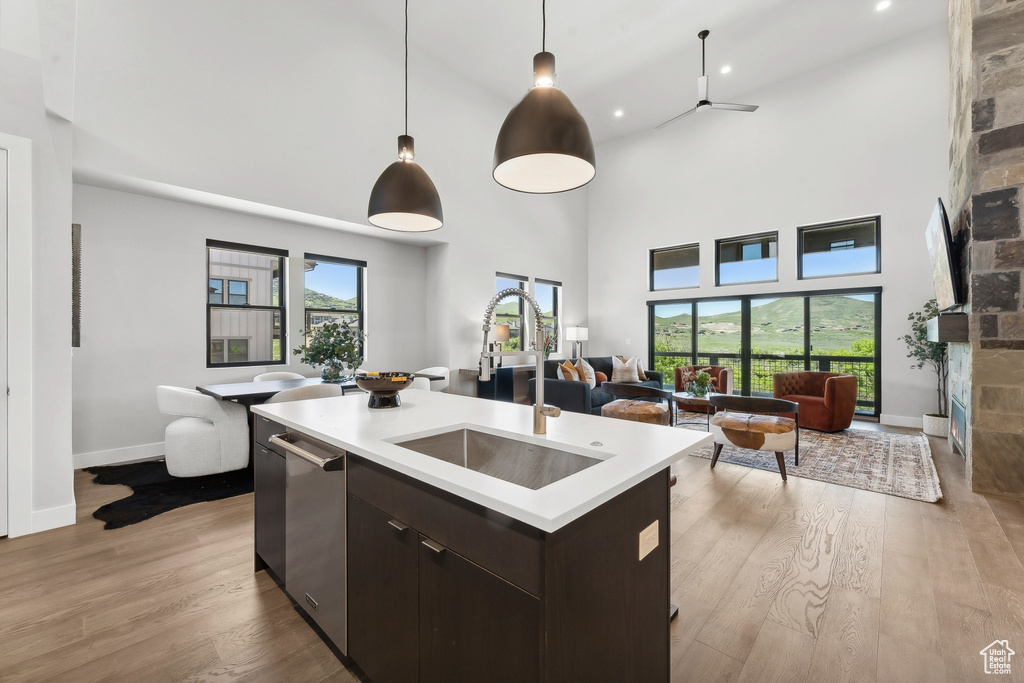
(406, 67)
(544, 25)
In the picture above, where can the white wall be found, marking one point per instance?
(864, 136)
(299, 106)
(144, 312)
(46, 465)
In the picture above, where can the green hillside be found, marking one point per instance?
(776, 327)
(319, 300)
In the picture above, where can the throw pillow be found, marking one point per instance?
(567, 371)
(600, 378)
(586, 373)
(639, 368)
(624, 371)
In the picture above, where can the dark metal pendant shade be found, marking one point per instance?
(544, 145)
(404, 197)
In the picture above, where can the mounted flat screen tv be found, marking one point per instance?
(942, 252)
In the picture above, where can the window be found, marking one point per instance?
(244, 329)
(546, 293)
(761, 335)
(675, 267)
(333, 291)
(238, 292)
(229, 350)
(845, 248)
(747, 259)
(510, 311)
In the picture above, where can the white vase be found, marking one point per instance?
(936, 426)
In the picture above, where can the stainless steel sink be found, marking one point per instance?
(520, 462)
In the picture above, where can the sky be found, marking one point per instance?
(333, 280)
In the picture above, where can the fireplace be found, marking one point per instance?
(958, 425)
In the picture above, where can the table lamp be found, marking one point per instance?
(501, 334)
(577, 335)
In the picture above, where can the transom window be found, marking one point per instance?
(333, 291)
(753, 258)
(245, 304)
(675, 267)
(842, 248)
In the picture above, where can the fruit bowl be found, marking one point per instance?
(384, 387)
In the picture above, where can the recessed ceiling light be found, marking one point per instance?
(619, 113)
(883, 5)
(726, 69)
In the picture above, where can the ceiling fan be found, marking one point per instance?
(702, 90)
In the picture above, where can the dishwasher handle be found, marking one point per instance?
(327, 464)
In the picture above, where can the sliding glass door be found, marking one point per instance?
(776, 341)
(760, 336)
(720, 335)
(842, 337)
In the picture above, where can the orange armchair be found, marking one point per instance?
(827, 400)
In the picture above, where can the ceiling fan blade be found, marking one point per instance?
(702, 88)
(675, 118)
(734, 107)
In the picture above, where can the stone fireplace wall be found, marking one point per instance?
(986, 188)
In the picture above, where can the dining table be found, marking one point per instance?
(251, 393)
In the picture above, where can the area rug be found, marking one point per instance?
(884, 462)
(154, 491)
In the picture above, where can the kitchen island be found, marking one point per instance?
(444, 541)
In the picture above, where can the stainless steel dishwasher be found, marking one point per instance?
(315, 528)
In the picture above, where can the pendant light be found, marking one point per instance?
(404, 198)
(544, 146)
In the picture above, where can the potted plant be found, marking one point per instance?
(336, 347)
(933, 354)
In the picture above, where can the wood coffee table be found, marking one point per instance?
(685, 398)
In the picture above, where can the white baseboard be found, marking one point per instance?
(901, 421)
(52, 518)
(116, 456)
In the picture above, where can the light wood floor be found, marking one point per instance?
(798, 582)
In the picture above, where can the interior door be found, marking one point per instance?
(3, 344)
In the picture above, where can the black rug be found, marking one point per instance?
(154, 491)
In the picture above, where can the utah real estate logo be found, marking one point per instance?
(997, 657)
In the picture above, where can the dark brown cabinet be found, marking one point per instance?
(269, 481)
(419, 611)
(474, 626)
(384, 588)
(443, 590)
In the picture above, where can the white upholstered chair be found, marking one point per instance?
(212, 436)
(427, 385)
(273, 376)
(303, 393)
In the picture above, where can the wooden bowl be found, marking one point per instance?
(384, 387)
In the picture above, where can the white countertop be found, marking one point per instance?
(630, 451)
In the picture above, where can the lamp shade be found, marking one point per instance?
(404, 197)
(544, 145)
(576, 333)
(501, 333)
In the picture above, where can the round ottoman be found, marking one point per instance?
(637, 411)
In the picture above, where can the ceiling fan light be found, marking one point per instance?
(404, 197)
(544, 146)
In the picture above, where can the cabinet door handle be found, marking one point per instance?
(398, 526)
(433, 545)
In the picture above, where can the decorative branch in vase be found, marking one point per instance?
(335, 346)
(698, 382)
